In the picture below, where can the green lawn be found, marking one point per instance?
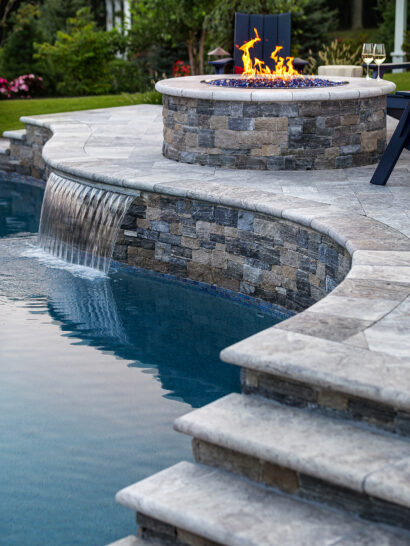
(12, 110)
(401, 80)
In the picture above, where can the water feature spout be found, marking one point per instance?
(80, 223)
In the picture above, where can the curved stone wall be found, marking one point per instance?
(302, 135)
(273, 259)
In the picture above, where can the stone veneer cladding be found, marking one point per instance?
(28, 152)
(304, 135)
(269, 258)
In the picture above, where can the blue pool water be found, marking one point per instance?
(93, 371)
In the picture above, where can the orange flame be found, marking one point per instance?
(258, 67)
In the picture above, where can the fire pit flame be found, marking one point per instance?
(257, 75)
(256, 67)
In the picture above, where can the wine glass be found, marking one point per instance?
(379, 54)
(367, 56)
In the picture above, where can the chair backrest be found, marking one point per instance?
(272, 29)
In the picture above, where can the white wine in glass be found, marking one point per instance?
(367, 56)
(379, 54)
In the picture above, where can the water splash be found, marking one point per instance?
(79, 224)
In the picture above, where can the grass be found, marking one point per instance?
(402, 80)
(12, 110)
(360, 35)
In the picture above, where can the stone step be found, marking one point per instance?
(197, 504)
(305, 371)
(4, 147)
(19, 134)
(305, 453)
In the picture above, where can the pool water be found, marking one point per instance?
(93, 371)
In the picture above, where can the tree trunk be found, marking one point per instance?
(7, 9)
(190, 53)
(357, 14)
(201, 52)
(195, 68)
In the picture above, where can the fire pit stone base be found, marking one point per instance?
(303, 135)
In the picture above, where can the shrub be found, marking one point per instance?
(406, 45)
(26, 86)
(180, 69)
(4, 89)
(128, 76)
(337, 52)
(81, 56)
(18, 49)
(23, 87)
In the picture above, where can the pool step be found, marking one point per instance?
(305, 453)
(196, 504)
(304, 371)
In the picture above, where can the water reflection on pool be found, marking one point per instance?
(93, 371)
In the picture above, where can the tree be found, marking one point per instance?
(357, 14)
(172, 22)
(55, 13)
(18, 49)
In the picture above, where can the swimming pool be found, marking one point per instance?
(94, 369)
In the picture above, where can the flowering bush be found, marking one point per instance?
(4, 89)
(180, 69)
(23, 87)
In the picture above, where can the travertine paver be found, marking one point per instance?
(230, 510)
(317, 445)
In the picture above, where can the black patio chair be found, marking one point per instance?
(273, 30)
(397, 103)
(399, 141)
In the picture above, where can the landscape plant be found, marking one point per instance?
(18, 49)
(336, 53)
(81, 56)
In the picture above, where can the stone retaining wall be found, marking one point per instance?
(269, 258)
(28, 151)
(275, 136)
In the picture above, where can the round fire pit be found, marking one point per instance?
(314, 127)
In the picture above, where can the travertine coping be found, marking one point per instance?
(194, 87)
(373, 361)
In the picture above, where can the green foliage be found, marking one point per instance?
(406, 45)
(170, 23)
(54, 16)
(311, 21)
(337, 52)
(129, 77)
(80, 57)
(17, 52)
(387, 10)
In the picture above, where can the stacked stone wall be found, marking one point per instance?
(27, 152)
(328, 134)
(260, 256)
